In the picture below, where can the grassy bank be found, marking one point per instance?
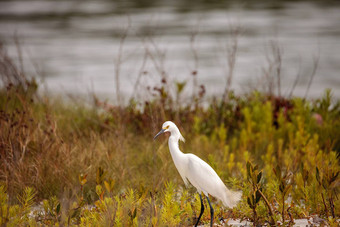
(71, 164)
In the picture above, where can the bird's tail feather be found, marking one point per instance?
(231, 198)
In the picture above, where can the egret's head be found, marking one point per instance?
(169, 126)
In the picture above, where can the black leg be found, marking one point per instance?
(202, 210)
(211, 213)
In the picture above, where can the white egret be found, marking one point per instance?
(198, 173)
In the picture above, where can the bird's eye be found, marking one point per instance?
(166, 127)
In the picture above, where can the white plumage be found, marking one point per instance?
(198, 172)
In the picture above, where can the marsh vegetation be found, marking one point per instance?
(77, 163)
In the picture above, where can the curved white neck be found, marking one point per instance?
(176, 153)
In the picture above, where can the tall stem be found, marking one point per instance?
(283, 208)
(268, 206)
(255, 216)
(331, 204)
(324, 203)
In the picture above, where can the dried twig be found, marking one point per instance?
(315, 66)
(273, 70)
(195, 69)
(119, 60)
(232, 47)
(140, 74)
(297, 77)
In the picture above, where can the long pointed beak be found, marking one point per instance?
(160, 132)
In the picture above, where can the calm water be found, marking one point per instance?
(74, 45)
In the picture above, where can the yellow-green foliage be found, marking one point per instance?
(71, 164)
(16, 215)
(171, 211)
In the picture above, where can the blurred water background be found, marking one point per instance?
(76, 47)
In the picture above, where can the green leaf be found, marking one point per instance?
(107, 186)
(99, 190)
(134, 214)
(258, 196)
(277, 172)
(254, 178)
(57, 210)
(180, 86)
(249, 202)
(317, 175)
(248, 170)
(259, 176)
(282, 187)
